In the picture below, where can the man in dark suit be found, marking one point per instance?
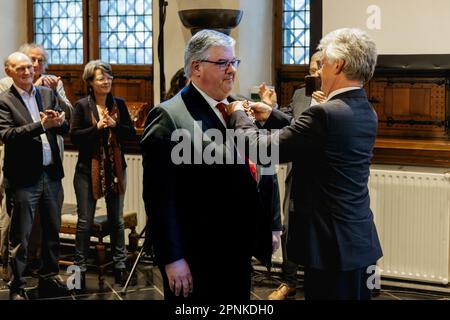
(330, 146)
(206, 218)
(299, 103)
(33, 172)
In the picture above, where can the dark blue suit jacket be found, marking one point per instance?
(330, 146)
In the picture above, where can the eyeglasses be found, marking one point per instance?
(104, 79)
(224, 64)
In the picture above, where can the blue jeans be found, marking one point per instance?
(48, 195)
(86, 211)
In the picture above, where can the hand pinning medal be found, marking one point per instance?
(248, 110)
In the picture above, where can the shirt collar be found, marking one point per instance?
(212, 102)
(341, 90)
(23, 92)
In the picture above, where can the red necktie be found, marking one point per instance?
(223, 111)
(251, 165)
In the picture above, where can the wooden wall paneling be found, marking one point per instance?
(130, 89)
(71, 76)
(420, 152)
(419, 103)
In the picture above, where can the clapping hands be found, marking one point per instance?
(268, 96)
(51, 118)
(106, 121)
(48, 81)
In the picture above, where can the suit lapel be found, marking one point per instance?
(200, 110)
(93, 107)
(20, 104)
(39, 100)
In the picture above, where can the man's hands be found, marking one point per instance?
(319, 96)
(47, 81)
(268, 96)
(261, 110)
(106, 121)
(51, 118)
(180, 278)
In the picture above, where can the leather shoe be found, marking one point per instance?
(120, 276)
(19, 294)
(52, 287)
(282, 292)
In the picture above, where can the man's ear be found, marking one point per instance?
(195, 68)
(339, 65)
(7, 71)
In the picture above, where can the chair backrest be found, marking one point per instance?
(138, 112)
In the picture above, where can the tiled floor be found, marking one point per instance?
(264, 284)
(141, 288)
(147, 285)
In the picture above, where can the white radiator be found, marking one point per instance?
(133, 194)
(411, 209)
(277, 256)
(411, 206)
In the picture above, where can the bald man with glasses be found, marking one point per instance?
(33, 172)
(39, 59)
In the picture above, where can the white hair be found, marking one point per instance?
(353, 46)
(200, 43)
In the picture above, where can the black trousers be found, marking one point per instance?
(337, 285)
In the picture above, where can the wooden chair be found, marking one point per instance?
(100, 229)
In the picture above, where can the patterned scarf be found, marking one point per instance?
(112, 154)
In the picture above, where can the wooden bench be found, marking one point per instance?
(100, 229)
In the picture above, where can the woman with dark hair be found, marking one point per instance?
(100, 124)
(177, 83)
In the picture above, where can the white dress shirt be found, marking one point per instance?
(342, 90)
(213, 103)
(31, 104)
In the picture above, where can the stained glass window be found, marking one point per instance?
(58, 26)
(125, 28)
(296, 31)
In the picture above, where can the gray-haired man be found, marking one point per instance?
(207, 220)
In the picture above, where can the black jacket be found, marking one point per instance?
(86, 136)
(21, 137)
